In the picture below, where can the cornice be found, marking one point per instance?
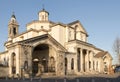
(3, 52)
(37, 21)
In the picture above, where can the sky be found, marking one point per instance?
(100, 18)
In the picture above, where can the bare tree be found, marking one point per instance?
(116, 48)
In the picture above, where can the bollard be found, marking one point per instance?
(93, 80)
(40, 80)
(23, 78)
(107, 80)
(6, 77)
(77, 80)
(12, 77)
(31, 79)
(55, 80)
(65, 80)
(18, 78)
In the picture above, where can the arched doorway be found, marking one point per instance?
(40, 57)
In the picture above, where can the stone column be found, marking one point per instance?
(92, 60)
(87, 55)
(81, 60)
(18, 60)
(95, 65)
(10, 65)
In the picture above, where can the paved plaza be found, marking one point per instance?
(64, 80)
(96, 78)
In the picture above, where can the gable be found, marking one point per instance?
(103, 55)
(100, 54)
(108, 55)
(79, 26)
(43, 39)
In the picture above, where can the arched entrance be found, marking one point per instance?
(40, 59)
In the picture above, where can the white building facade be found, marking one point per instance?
(50, 48)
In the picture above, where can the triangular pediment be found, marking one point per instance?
(43, 39)
(108, 55)
(79, 26)
(103, 54)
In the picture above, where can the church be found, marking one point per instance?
(51, 48)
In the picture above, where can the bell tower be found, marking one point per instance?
(43, 15)
(12, 27)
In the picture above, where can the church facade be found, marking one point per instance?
(50, 48)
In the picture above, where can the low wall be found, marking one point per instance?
(4, 71)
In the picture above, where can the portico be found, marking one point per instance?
(85, 58)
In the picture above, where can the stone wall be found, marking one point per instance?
(4, 71)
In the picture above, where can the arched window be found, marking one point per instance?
(14, 31)
(26, 65)
(42, 17)
(13, 59)
(13, 62)
(72, 64)
(89, 64)
(65, 62)
(10, 31)
(66, 66)
(78, 59)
